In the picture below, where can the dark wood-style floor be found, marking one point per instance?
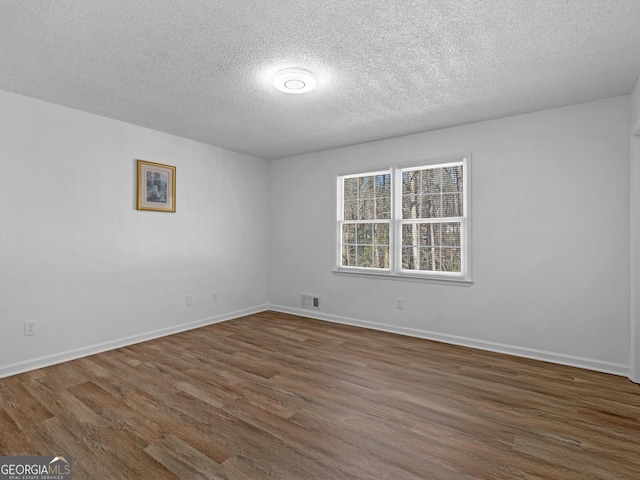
(274, 396)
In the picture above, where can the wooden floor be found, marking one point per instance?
(274, 396)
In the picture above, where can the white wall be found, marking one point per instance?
(635, 233)
(550, 237)
(77, 257)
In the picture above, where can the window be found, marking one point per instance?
(366, 220)
(406, 222)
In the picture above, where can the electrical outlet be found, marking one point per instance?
(189, 300)
(214, 296)
(30, 328)
(400, 303)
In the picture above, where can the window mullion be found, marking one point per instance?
(396, 218)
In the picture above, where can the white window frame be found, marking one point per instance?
(395, 270)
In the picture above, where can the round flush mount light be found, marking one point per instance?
(294, 80)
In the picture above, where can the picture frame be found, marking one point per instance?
(156, 187)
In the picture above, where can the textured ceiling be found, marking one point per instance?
(201, 69)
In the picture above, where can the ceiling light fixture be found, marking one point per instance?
(294, 80)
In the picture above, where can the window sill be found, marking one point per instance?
(458, 282)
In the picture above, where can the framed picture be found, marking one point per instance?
(156, 187)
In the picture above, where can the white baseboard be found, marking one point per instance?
(573, 361)
(559, 358)
(48, 360)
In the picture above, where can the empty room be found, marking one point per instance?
(333, 240)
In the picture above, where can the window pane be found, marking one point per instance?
(452, 179)
(410, 206)
(433, 193)
(381, 234)
(430, 181)
(366, 186)
(367, 197)
(365, 255)
(350, 210)
(348, 233)
(410, 234)
(430, 234)
(451, 205)
(383, 207)
(410, 181)
(451, 260)
(366, 209)
(430, 206)
(431, 246)
(451, 234)
(383, 185)
(430, 258)
(365, 245)
(381, 257)
(365, 233)
(350, 189)
(411, 258)
(348, 256)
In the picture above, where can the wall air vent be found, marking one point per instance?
(309, 301)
